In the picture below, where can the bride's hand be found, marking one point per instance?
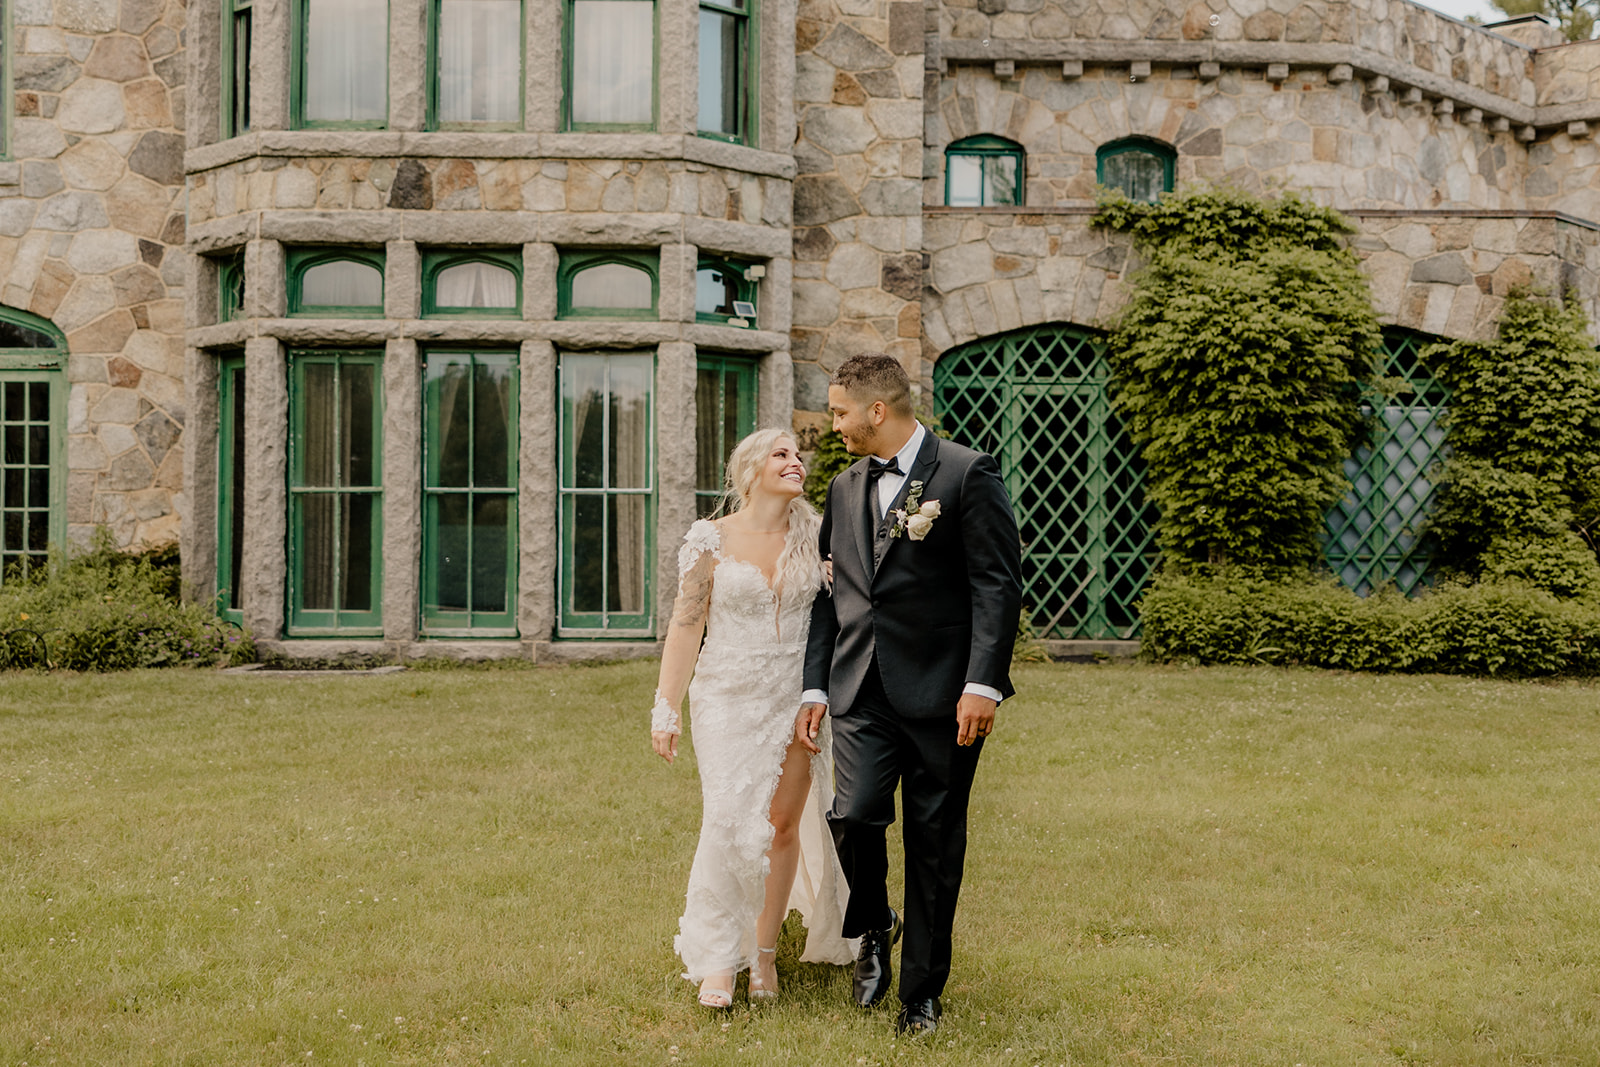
(827, 570)
(665, 744)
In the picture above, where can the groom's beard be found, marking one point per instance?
(860, 439)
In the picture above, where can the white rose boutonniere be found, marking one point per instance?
(916, 518)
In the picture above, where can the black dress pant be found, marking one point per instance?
(874, 750)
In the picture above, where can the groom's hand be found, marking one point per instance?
(974, 718)
(806, 725)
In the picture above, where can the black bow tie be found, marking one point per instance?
(876, 470)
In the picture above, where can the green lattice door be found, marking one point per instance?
(1374, 532)
(1037, 400)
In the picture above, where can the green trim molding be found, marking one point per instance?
(33, 352)
(230, 484)
(724, 412)
(985, 148)
(749, 122)
(437, 260)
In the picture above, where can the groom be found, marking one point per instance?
(911, 654)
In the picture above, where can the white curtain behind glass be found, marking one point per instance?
(611, 285)
(613, 61)
(475, 285)
(963, 179)
(341, 283)
(630, 468)
(347, 60)
(480, 69)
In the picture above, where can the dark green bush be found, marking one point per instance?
(1496, 628)
(104, 610)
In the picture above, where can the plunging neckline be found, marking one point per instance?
(728, 557)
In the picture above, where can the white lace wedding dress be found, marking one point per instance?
(742, 705)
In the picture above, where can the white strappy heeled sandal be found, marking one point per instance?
(758, 985)
(712, 997)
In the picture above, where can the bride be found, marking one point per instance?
(747, 581)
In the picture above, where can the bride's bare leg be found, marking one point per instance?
(787, 803)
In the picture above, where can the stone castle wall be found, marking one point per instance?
(91, 238)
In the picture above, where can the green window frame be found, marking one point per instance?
(236, 34)
(469, 493)
(733, 26)
(299, 104)
(576, 53)
(230, 288)
(33, 454)
(726, 281)
(301, 260)
(437, 261)
(607, 494)
(1118, 165)
(575, 263)
(438, 69)
(724, 414)
(997, 166)
(230, 484)
(335, 492)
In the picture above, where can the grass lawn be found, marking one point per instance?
(1252, 866)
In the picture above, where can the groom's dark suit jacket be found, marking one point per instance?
(937, 613)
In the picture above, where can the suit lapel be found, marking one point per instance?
(858, 499)
(921, 471)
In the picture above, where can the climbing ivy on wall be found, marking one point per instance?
(1521, 492)
(1238, 362)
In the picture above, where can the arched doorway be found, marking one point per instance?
(1037, 400)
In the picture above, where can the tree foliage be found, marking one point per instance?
(1238, 364)
(1521, 487)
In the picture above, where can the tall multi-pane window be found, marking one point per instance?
(32, 416)
(230, 485)
(724, 412)
(342, 63)
(477, 63)
(1142, 168)
(335, 491)
(983, 171)
(727, 70)
(235, 67)
(611, 64)
(607, 493)
(469, 546)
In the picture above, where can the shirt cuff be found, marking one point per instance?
(813, 696)
(979, 689)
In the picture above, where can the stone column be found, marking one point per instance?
(542, 71)
(539, 536)
(205, 71)
(269, 64)
(263, 585)
(402, 489)
(197, 532)
(675, 461)
(539, 264)
(678, 263)
(408, 59)
(677, 73)
(402, 281)
(266, 286)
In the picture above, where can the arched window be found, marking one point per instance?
(477, 284)
(1140, 167)
(33, 410)
(607, 285)
(725, 292)
(983, 171)
(347, 283)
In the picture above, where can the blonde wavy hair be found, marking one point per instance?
(800, 562)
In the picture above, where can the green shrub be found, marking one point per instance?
(1238, 364)
(105, 610)
(1497, 628)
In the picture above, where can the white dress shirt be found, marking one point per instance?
(889, 486)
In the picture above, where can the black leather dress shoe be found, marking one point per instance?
(919, 1017)
(874, 972)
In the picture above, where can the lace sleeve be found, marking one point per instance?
(696, 563)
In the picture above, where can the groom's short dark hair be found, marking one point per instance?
(874, 376)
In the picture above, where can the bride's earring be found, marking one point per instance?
(759, 989)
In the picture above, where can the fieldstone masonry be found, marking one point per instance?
(91, 238)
